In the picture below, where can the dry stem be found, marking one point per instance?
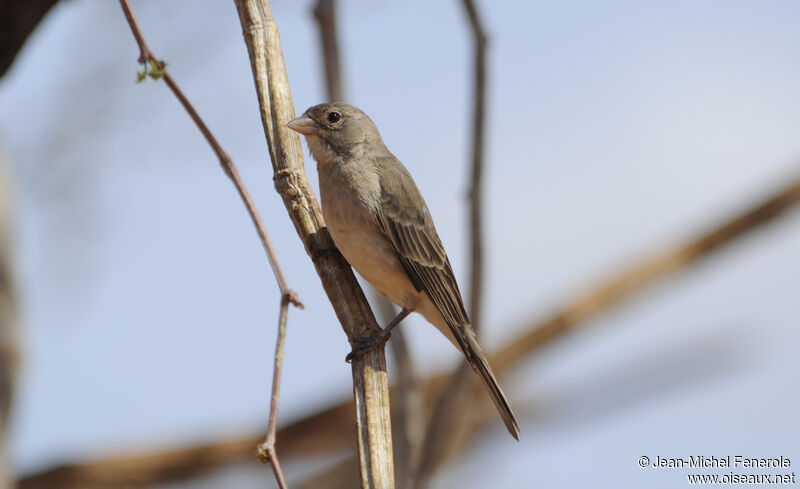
(370, 385)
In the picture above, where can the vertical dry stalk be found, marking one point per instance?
(370, 384)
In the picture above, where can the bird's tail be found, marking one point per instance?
(477, 360)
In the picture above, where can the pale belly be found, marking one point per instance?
(355, 231)
(371, 254)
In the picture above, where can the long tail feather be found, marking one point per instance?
(477, 360)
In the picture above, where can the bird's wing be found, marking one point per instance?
(404, 218)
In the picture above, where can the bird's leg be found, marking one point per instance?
(370, 342)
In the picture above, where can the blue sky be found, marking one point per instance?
(616, 129)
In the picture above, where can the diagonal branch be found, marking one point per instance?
(626, 283)
(147, 56)
(266, 451)
(370, 383)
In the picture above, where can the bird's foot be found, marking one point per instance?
(363, 344)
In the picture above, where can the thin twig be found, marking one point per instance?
(323, 432)
(449, 410)
(147, 56)
(266, 451)
(370, 384)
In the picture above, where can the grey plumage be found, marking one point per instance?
(378, 219)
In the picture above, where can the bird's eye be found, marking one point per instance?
(334, 117)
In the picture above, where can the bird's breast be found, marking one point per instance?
(348, 210)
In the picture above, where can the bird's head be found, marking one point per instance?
(336, 132)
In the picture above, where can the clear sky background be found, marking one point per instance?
(616, 129)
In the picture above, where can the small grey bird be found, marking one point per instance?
(379, 221)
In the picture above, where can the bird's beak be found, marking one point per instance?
(304, 125)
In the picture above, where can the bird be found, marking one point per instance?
(380, 223)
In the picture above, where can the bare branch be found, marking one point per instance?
(266, 451)
(370, 384)
(147, 56)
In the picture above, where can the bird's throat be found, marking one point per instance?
(322, 152)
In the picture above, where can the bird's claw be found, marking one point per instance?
(363, 344)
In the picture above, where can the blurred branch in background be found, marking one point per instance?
(325, 14)
(266, 450)
(9, 336)
(408, 406)
(476, 186)
(625, 284)
(17, 20)
(370, 382)
(327, 431)
(450, 407)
